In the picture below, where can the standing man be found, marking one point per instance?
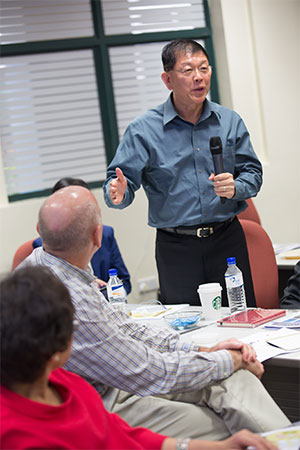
(167, 150)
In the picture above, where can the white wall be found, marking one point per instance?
(257, 52)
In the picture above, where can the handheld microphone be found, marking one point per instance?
(216, 148)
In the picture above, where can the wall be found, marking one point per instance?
(257, 50)
(257, 53)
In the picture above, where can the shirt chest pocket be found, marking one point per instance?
(229, 158)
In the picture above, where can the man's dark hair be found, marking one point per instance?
(68, 181)
(36, 321)
(171, 51)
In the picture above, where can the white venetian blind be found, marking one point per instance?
(50, 120)
(145, 16)
(136, 72)
(41, 20)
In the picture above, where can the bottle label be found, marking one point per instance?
(233, 281)
(117, 288)
(116, 293)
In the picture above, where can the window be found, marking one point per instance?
(74, 74)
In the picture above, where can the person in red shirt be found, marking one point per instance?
(45, 406)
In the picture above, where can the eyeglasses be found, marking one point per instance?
(189, 72)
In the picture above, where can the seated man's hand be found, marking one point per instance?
(100, 283)
(254, 367)
(248, 352)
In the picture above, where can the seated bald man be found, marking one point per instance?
(147, 375)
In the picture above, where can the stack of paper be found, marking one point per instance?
(149, 311)
(288, 340)
(268, 344)
(290, 322)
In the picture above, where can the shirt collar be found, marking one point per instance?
(86, 275)
(170, 112)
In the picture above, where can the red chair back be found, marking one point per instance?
(263, 265)
(250, 213)
(22, 252)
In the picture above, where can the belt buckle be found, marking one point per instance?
(207, 230)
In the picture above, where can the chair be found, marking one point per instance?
(250, 213)
(22, 252)
(263, 265)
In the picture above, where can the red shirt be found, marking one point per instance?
(81, 422)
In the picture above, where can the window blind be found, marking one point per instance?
(51, 125)
(136, 72)
(145, 16)
(36, 20)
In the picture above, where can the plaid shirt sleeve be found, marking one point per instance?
(112, 350)
(116, 351)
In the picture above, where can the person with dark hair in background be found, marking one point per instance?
(291, 293)
(108, 256)
(167, 151)
(45, 406)
(147, 375)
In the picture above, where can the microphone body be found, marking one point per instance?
(216, 149)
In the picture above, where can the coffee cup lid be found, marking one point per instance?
(209, 287)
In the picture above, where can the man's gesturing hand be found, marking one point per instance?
(118, 187)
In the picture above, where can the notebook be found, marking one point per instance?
(250, 318)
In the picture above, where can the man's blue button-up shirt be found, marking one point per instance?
(171, 159)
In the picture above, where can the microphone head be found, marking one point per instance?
(215, 145)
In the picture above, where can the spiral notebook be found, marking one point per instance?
(250, 318)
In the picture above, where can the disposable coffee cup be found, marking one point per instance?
(210, 298)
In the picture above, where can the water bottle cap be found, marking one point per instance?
(112, 272)
(231, 260)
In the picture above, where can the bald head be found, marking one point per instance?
(68, 219)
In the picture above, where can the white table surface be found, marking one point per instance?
(211, 334)
(280, 251)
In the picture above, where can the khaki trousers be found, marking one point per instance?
(214, 413)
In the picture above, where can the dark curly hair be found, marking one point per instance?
(68, 181)
(36, 321)
(173, 48)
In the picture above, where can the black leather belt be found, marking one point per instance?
(200, 231)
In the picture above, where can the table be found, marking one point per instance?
(282, 372)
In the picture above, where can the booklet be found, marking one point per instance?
(288, 322)
(154, 309)
(251, 318)
(285, 438)
(285, 339)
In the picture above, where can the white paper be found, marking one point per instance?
(152, 312)
(264, 350)
(285, 339)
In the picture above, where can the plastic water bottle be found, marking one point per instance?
(235, 287)
(116, 293)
